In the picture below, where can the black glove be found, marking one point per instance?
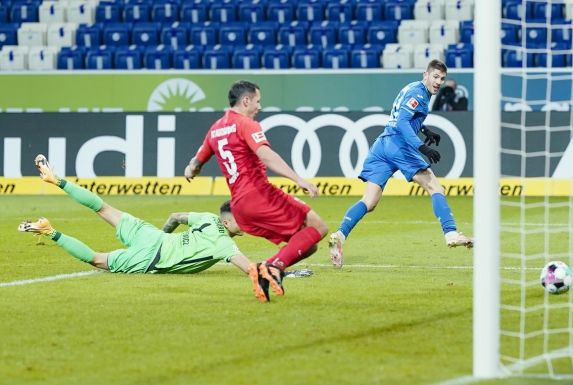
(431, 137)
(431, 154)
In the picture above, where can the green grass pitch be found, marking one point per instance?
(399, 312)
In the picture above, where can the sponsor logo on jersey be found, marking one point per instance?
(412, 103)
(258, 136)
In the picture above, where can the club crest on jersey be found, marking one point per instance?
(412, 103)
(258, 136)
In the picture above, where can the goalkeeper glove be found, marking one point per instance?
(433, 155)
(431, 137)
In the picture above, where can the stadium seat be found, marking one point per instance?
(276, 57)
(32, 34)
(175, 35)
(24, 12)
(145, 34)
(233, 34)
(194, 13)
(204, 34)
(248, 57)
(292, 35)
(187, 58)
(444, 32)
(306, 57)
(336, 57)
(366, 56)
(340, 11)
(323, 34)
(51, 12)
(310, 12)
(352, 33)
(157, 58)
(8, 34)
(108, 12)
(459, 10)
(370, 12)
(281, 12)
(89, 35)
(545, 11)
(13, 58)
(382, 32)
(534, 34)
(116, 34)
(42, 58)
(398, 10)
(514, 58)
(252, 12)
(509, 34)
(80, 12)
(467, 31)
(263, 34)
(561, 31)
(128, 58)
(559, 56)
(100, 58)
(71, 58)
(516, 10)
(165, 12)
(3, 13)
(223, 12)
(133, 12)
(217, 57)
(429, 10)
(397, 56)
(61, 34)
(459, 56)
(424, 53)
(413, 32)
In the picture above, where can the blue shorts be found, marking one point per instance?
(388, 155)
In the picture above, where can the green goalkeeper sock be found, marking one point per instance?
(81, 195)
(74, 246)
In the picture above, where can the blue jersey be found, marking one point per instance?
(408, 113)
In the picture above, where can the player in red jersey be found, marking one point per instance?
(260, 209)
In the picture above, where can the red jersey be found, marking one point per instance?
(234, 139)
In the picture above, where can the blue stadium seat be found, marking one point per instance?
(535, 35)
(307, 11)
(467, 31)
(307, 57)
(510, 34)
(233, 34)
(194, 12)
(459, 56)
(352, 33)
(263, 34)
(247, 57)
(204, 34)
(559, 56)
(128, 58)
(382, 32)
(281, 12)
(398, 10)
(543, 10)
(134, 12)
(563, 33)
(366, 56)
(336, 57)
(89, 35)
(339, 11)
(165, 13)
(187, 58)
(9, 34)
(175, 35)
(108, 12)
(145, 34)
(223, 12)
(157, 58)
(24, 12)
(276, 57)
(217, 57)
(71, 58)
(514, 58)
(116, 34)
(252, 12)
(3, 13)
(516, 10)
(323, 34)
(100, 58)
(369, 12)
(293, 34)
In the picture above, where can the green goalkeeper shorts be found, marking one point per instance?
(143, 241)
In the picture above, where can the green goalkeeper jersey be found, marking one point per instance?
(205, 243)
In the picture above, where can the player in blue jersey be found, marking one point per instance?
(400, 148)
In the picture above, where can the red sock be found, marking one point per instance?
(296, 248)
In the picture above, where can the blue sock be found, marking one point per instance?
(443, 213)
(352, 217)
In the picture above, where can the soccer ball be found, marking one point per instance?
(556, 277)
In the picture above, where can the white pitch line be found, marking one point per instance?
(432, 267)
(49, 278)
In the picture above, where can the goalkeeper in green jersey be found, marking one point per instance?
(150, 250)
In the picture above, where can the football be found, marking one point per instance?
(556, 277)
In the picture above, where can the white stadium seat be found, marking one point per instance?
(62, 34)
(81, 12)
(13, 58)
(32, 34)
(397, 56)
(413, 32)
(444, 32)
(42, 58)
(52, 12)
(459, 10)
(429, 10)
(424, 53)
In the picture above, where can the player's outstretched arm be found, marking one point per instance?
(241, 262)
(274, 162)
(193, 169)
(174, 220)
